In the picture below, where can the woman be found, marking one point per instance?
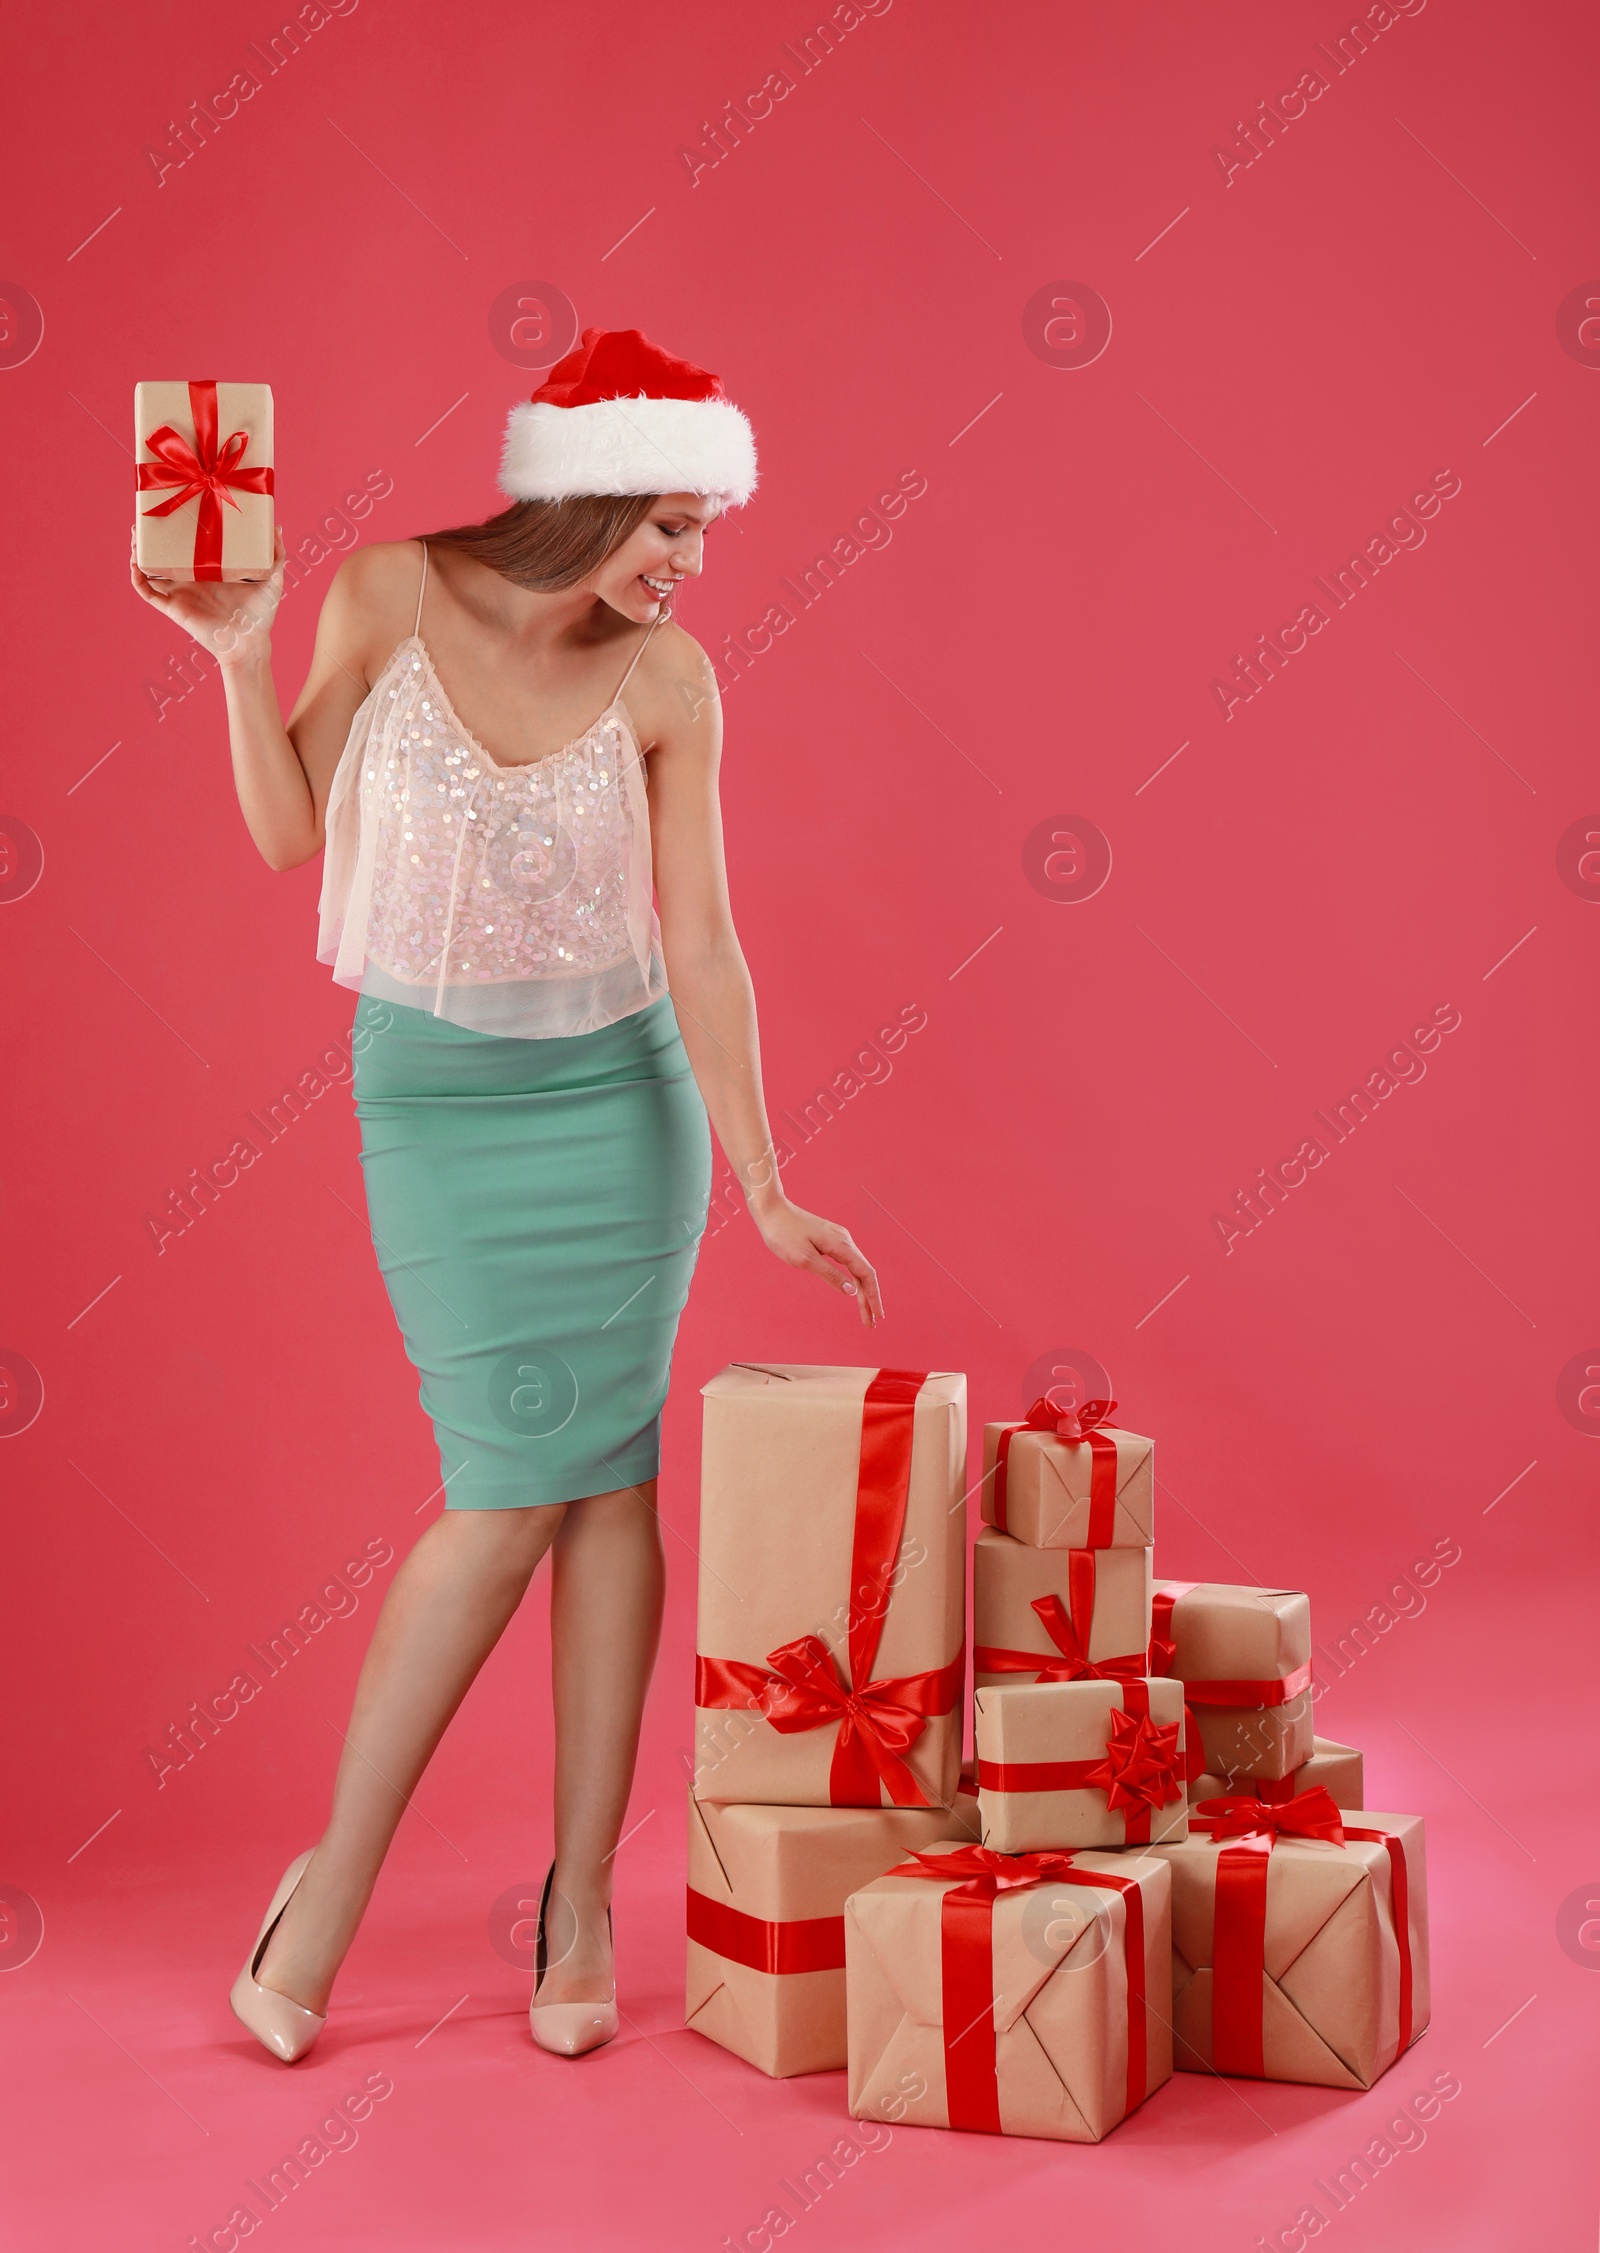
(536, 1055)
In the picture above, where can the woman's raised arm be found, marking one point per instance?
(282, 771)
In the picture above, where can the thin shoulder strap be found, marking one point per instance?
(422, 590)
(638, 653)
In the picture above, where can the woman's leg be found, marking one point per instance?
(443, 1615)
(605, 1622)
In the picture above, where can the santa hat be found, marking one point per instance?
(619, 415)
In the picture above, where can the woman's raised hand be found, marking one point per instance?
(223, 616)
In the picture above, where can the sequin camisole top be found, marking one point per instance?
(506, 899)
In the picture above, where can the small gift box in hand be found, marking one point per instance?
(206, 508)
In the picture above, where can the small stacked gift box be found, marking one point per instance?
(1155, 1872)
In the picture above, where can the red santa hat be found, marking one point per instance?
(619, 415)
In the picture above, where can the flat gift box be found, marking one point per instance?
(832, 1555)
(1080, 1764)
(1337, 1768)
(1053, 1493)
(1244, 1657)
(1039, 2010)
(767, 1889)
(1096, 1604)
(205, 506)
(1309, 1961)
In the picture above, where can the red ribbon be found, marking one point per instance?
(1069, 1627)
(762, 1944)
(1401, 1890)
(1139, 1769)
(205, 468)
(801, 1687)
(1164, 1654)
(1073, 1425)
(966, 1967)
(1238, 1953)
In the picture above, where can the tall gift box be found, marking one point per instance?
(767, 1889)
(1096, 1764)
(1058, 1615)
(1299, 1940)
(205, 507)
(1021, 1995)
(1243, 1656)
(1069, 1479)
(830, 1646)
(1336, 1768)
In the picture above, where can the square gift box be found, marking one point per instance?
(1337, 1768)
(1097, 1764)
(1244, 1658)
(205, 507)
(830, 1645)
(767, 1889)
(1020, 1995)
(1057, 1615)
(1057, 1482)
(1299, 1941)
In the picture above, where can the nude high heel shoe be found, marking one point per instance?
(279, 2024)
(568, 2029)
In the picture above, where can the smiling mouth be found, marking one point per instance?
(659, 588)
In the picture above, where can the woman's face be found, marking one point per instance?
(638, 578)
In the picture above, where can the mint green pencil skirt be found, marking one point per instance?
(537, 1208)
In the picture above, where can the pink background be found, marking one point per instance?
(1295, 353)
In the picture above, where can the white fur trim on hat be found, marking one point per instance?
(639, 445)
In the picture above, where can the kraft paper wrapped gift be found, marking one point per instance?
(1244, 1658)
(205, 507)
(1097, 1764)
(830, 1646)
(1069, 1480)
(1018, 1995)
(1299, 1940)
(1058, 1615)
(1337, 1768)
(767, 1889)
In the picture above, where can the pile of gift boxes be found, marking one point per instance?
(1152, 1863)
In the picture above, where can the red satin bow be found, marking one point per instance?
(966, 1968)
(878, 1724)
(1070, 1631)
(206, 469)
(986, 1871)
(1142, 1763)
(1072, 1425)
(1313, 1814)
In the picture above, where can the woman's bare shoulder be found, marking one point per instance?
(372, 600)
(676, 681)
